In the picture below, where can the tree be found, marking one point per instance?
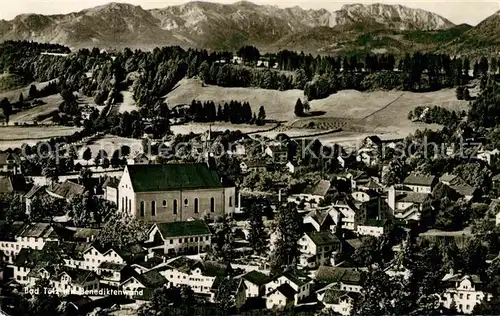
(249, 54)
(257, 236)
(224, 296)
(261, 116)
(223, 240)
(33, 92)
(288, 223)
(87, 155)
(21, 98)
(299, 108)
(45, 302)
(121, 231)
(6, 108)
(380, 295)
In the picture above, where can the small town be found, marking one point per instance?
(249, 159)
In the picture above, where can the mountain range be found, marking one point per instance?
(353, 28)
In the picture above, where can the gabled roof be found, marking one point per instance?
(112, 266)
(184, 264)
(256, 277)
(28, 258)
(287, 291)
(79, 276)
(319, 215)
(35, 189)
(45, 230)
(150, 279)
(295, 276)
(333, 296)
(152, 178)
(419, 180)
(67, 190)
(181, 229)
(411, 197)
(320, 188)
(328, 274)
(323, 238)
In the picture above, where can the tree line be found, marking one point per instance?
(235, 112)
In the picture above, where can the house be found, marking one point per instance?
(465, 291)
(25, 261)
(10, 163)
(111, 190)
(179, 237)
(345, 279)
(67, 281)
(349, 212)
(36, 191)
(312, 194)
(253, 166)
(339, 301)
(459, 185)
(319, 220)
(281, 297)
(66, 190)
(9, 247)
(138, 159)
(373, 227)
(174, 192)
(420, 183)
(407, 205)
(255, 282)
(137, 284)
(94, 255)
(298, 281)
(201, 276)
(317, 247)
(278, 153)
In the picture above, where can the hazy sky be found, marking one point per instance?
(464, 11)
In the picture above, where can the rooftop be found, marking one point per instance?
(256, 277)
(328, 274)
(323, 238)
(320, 188)
(181, 229)
(422, 180)
(67, 189)
(150, 178)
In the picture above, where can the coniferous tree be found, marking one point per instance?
(299, 108)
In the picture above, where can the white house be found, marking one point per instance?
(179, 237)
(407, 205)
(299, 282)
(255, 282)
(143, 282)
(312, 194)
(281, 297)
(487, 155)
(199, 275)
(372, 227)
(465, 290)
(317, 247)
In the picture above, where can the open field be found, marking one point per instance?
(279, 105)
(111, 143)
(38, 112)
(13, 95)
(15, 136)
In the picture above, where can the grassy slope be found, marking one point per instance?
(279, 105)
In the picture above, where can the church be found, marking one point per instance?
(174, 192)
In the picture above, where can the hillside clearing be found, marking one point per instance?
(279, 105)
(15, 136)
(128, 104)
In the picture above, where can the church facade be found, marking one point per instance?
(174, 192)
